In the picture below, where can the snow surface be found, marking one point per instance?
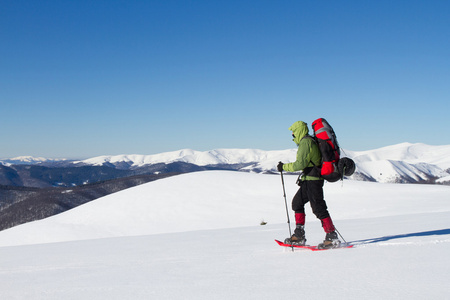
(197, 236)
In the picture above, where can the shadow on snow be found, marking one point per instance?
(401, 236)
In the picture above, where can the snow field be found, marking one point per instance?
(197, 236)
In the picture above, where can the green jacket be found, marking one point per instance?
(308, 153)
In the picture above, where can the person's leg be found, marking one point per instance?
(318, 204)
(298, 206)
(320, 209)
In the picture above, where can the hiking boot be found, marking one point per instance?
(298, 238)
(331, 241)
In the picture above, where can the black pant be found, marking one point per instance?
(311, 191)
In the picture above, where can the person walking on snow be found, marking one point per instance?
(311, 188)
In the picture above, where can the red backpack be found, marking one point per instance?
(333, 168)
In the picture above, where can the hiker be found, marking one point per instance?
(311, 187)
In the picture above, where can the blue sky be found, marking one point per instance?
(85, 78)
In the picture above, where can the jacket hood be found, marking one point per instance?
(299, 129)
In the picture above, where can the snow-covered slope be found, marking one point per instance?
(403, 162)
(213, 200)
(197, 236)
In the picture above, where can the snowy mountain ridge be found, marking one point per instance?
(200, 158)
(29, 160)
(405, 162)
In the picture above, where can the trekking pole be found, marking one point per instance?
(340, 235)
(287, 211)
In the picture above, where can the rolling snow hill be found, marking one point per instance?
(197, 236)
(215, 200)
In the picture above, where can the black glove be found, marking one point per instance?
(280, 167)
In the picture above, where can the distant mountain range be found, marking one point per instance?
(402, 163)
(36, 188)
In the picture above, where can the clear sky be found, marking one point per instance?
(85, 78)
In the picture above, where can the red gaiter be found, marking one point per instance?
(327, 225)
(300, 219)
